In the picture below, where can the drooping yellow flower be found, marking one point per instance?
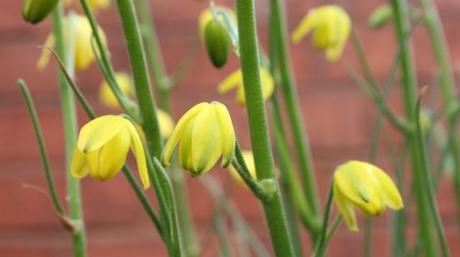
(206, 16)
(84, 55)
(107, 97)
(364, 186)
(331, 27)
(204, 134)
(102, 147)
(249, 160)
(235, 80)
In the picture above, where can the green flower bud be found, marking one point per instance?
(217, 43)
(380, 16)
(34, 11)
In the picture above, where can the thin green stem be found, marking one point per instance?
(140, 73)
(70, 124)
(105, 64)
(288, 87)
(428, 185)
(321, 244)
(408, 86)
(446, 83)
(41, 147)
(274, 212)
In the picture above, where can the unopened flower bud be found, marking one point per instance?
(217, 43)
(35, 11)
(381, 16)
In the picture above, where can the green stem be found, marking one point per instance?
(408, 84)
(293, 108)
(105, 65)
(41, 147)
(322, 242)
(260, 142)
(154, 57)
(70, 124)
(446, 82)
(164, 86)
(140, 73)
(287, 173)
(428, 185)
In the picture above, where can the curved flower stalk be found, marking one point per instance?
(249, 161)
(206, 16)
(366, 187)
(331, 27)
(84, 55)
(102, 147)
(235, 80)
(204, 134)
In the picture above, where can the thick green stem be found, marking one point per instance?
(408, 86)
(70, 124)
(154, 57)
(293, 108)
(446, 82)
(140, 73)
(249, 51)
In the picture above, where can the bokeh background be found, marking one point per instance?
(338, 117)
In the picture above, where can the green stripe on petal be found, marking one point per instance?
(178, 131)
(227, 133)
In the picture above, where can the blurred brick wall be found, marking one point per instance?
(338, 117)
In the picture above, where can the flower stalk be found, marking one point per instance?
(274, 212)
(288, 87)
(70, 124)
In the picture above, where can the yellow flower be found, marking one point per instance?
(106, 95)
(35, 11)
(166, 123)
(235, 80)
(84, 55)
(102, 147)
(364, 186)
(204, 134)
(249, 160)
(206, 16)
(331, 27)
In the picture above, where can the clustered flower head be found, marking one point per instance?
(82, 37)
(330, 25)
(102, 147)
(366, 187)
(235, 80)
(203, 134)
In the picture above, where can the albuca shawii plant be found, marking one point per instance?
(205, 133)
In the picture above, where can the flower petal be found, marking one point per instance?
(308, 22)
(234, 80)
(78, 167)
(99, 131)
(227, 133)
(206, 140)
(178, 131)
(139, 154)
(345, 208)
(107, 161)
(390, 193)
(46, 54)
